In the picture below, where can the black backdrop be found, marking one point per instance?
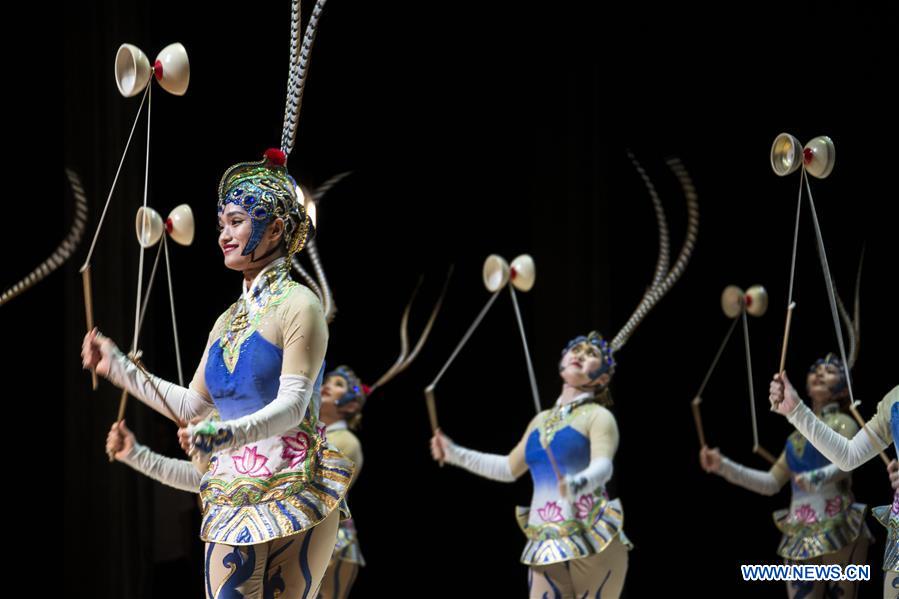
(469, 131)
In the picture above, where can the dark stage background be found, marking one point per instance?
(470, 130)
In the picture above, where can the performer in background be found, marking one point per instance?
(848, 453)
(823, 524)
(576, 546)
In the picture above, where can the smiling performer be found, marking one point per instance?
(273, 489)
(576, 546)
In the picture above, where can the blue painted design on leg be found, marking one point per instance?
(209, 548)
(241, 570)
(304, 562)
(275, 582)
(604, 581)
(803, 588)
(833, 590)
(557, 594)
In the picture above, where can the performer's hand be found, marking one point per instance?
(184, 440)
(439, 443)
(782, 395)
(804, 482)
(97, 352)
(893, 470)
(205, 436)
(184, 436)
(710, 459)
(119, 441)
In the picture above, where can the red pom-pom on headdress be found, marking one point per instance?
(276, 157)
(366, 389)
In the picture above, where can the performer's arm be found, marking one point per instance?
(169, 399)
(847, 454)
(603, 434)
(180, 474)
(759, 481)
(503, 468)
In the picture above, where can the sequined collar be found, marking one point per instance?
(559, 417)
(270, 287)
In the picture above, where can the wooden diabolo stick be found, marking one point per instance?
(783, 349)
(697, 417)
(89, 313)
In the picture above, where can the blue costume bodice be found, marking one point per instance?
(802, 456)
(570, 448)
(254, 382)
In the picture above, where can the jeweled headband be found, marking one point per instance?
(266, 191)
(596, 340)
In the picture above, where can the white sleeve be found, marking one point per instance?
(180, 474)
(488, 465)
(596, 474)
(169, 399)
(758, 481)
(848, 454)
(284, 412)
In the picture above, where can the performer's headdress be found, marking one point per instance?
(605, 350)
(663, 279)
(266, 191)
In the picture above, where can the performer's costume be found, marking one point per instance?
(271, 478)
(823, 525)
(576, 546)
(849, 454)
(347, 557)
(583, 437)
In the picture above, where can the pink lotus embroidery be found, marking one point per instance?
(834, 506)
(322, 431)
(251, 463)
(551, 512)
(805, 513)
(584, 505)
(295, 448)
(895, 509)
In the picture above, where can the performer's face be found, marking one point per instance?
(235, 229)
(822, 380)
(333, 389)
(579, 363)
